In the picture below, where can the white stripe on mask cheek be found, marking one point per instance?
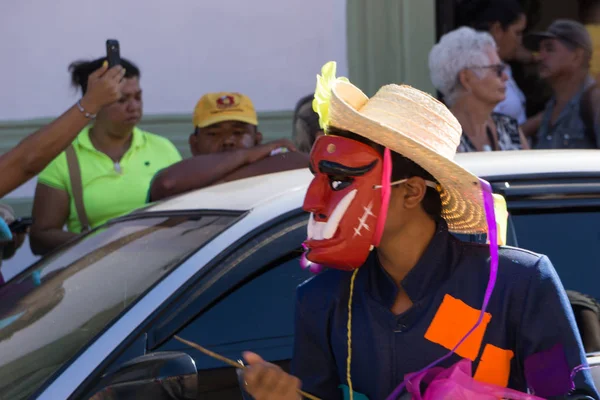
(338, 213)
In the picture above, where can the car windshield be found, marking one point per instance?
(60, 304)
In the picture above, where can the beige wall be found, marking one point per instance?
(268, 49)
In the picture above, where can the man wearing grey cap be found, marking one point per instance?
(571, 119)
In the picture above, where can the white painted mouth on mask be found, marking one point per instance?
(326, 230)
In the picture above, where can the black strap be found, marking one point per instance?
(491, 138)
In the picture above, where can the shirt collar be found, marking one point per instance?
(576, 98)
(426, 276)
(83, 139)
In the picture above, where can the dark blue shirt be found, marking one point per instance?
(529, 314)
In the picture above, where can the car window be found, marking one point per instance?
(57, 306)
(258, 316)
(570, 238)
(243, 299)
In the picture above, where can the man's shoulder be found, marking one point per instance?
(324, 288)
(512, 261)
(521, 262)
(523, 256)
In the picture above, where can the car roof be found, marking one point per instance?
(530, 162)
(243, 195)
(290, 186)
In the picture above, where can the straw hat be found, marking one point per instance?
(419, 127)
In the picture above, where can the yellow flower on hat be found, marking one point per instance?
(325, 83)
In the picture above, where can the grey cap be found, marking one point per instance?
(567, 31)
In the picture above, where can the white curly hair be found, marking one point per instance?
(457, 50)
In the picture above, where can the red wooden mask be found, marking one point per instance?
(344, 199)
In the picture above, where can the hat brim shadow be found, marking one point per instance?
(532, 41)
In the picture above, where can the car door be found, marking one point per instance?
(244, 302)
(559, 217)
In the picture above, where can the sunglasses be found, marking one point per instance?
(498, 68)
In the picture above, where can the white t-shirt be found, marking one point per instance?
(514, 103)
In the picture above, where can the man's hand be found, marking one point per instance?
(104, 87)
(264, 150)
(266, 381)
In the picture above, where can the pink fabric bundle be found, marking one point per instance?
(456, 383)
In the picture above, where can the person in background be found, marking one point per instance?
(306, 127)
(589, 15)
(587, 316)
(226, 145)
(571, 117)
(36, 151)
(115, 159)
(466, 69)
(505, 20)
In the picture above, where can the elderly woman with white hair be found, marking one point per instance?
(466, 69)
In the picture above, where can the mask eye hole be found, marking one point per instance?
(339, 182)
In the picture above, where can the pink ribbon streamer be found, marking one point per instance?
(386, 191)
(457, 383)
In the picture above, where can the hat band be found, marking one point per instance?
(430, 184)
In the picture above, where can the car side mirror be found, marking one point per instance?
(159, 376)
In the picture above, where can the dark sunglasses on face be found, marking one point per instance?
(498, 68)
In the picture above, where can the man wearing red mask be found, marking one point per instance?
(403, 296)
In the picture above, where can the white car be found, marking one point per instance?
(219, 266)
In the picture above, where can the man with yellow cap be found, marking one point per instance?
(404, 305)
(226, 145)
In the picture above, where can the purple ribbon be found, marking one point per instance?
(490, 216)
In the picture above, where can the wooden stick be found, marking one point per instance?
(230, 362)
(210, 353)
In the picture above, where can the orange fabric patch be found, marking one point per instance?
(494, 366)
(452, 321)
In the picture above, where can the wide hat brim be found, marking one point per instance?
(419, 127)
(532, 41)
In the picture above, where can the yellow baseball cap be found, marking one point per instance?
(213, 108)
